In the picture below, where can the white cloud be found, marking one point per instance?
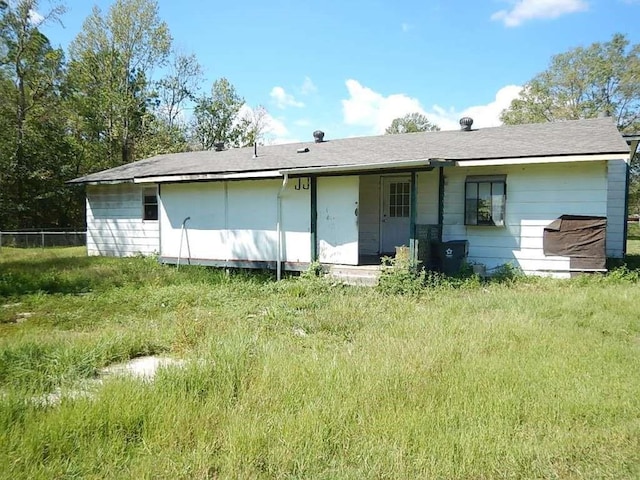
(308, 87)
(484, 116)
(282, 99)
(35, 18)
(302, 122)
(367, 108)
(524, 10)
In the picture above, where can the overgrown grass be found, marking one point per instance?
(532, 378)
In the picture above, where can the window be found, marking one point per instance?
(150, 204)
(399, 199)
(485, 200)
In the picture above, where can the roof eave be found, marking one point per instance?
(543, 159)
(362, 167)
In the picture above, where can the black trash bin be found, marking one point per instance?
(451, 255)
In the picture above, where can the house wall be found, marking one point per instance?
(337, 216)
(616, 207)
(369, 207)
(536, 195)
(235, 221)
(114, 222)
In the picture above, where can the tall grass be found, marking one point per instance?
(535, 378)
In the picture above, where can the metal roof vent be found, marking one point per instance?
(465, 124)
(318, 136)
(218, 146)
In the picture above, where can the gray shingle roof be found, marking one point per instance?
(579, 137)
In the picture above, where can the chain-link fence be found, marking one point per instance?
(42, 238)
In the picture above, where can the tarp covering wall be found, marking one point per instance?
(581, 238)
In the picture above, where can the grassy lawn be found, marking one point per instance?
(534, 378)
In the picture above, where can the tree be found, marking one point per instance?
(180, 84)
(410, 123)
(164, 129)
(603, 78)
(34, 147)
(584, 83)
(218, 118)
(113, 59)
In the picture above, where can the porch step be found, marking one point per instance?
(362, 275)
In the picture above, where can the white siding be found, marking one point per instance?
(338, 220)
(427, 197)
(616, 199)
(235, 221)
(114, 222)
(536, 195)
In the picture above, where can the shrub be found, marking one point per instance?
(401, 276)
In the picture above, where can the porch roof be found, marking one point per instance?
(584, 138)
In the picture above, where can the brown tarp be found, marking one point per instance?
(582, 238)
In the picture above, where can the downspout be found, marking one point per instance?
(285, 179)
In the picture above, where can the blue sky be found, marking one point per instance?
(350, 67)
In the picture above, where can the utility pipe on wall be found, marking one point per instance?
(182, 234)
(279, 227)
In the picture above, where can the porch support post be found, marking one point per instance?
(413, 244)
(440, 203)
(313, 182)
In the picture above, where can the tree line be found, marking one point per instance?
(98, 105)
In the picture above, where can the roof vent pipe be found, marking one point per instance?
(218, 146)
(465, 124)
(318, 136)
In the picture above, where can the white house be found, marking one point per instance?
(348, 201)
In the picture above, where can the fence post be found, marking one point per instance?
(42, 235)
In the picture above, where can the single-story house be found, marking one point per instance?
(349, 201)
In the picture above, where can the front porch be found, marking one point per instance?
(399, 209)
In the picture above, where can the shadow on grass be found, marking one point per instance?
(71, 275)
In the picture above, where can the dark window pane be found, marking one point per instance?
(151, 212)
(471, 211)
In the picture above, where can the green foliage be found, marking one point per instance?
(314, 270)
(411, 123)
(507, 272)
(400, 275)
(36, 155)
(112, 60)
(218, 119)
(583, 83)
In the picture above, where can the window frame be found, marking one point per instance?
(492, 181)
(146, 192)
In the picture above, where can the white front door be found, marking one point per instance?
(337, 219)
(394, 214)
